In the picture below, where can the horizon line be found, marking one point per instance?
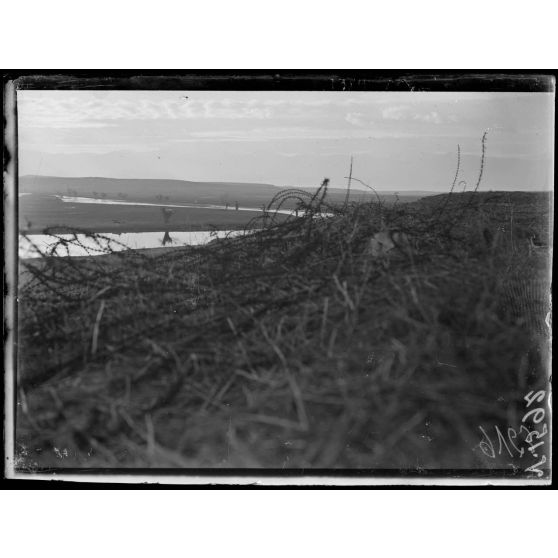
(378, 189)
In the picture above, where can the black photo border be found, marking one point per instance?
(251, 80)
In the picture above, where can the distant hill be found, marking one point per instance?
(245, 193)
(144, 189)
(359, 190)
(498, 197)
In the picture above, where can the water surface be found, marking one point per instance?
(107, 201)
(37, 245)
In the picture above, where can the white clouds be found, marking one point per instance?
(355, 118)
(431, 116)
(287, 133)
(74, 109)
(409, 112)
(283, 128)
(396, 112)
(87, 148)
(94, 109)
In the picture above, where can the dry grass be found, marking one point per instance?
(290, 348)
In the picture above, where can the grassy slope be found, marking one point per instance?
(291, 348)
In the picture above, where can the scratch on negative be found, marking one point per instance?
(96, 328)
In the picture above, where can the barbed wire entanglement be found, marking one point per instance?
(289, 345)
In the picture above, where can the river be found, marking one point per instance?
(37, 245)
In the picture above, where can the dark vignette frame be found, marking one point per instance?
(258, 80)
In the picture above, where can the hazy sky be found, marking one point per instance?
(399, 140)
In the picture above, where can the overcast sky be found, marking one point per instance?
(399, 140)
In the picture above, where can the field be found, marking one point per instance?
(296, 348)
(39, 208)
(40, 212)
